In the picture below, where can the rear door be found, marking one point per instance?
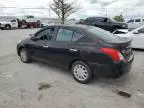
(65, 49)
(60, 48)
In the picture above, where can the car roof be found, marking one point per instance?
(79, 26)
(97, 17)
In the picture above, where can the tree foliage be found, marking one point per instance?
(119, 18)
(64, 9)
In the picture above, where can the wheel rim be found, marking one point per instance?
(80, 72)
(23, 55)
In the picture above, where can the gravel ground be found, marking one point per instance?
(20, 83)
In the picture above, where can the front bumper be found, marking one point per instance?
(112, 70)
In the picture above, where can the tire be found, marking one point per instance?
(24, 56)
(23, 22)
(7, 27)
(81, 72)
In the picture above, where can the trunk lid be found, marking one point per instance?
(123, 45)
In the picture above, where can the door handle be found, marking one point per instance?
(73, 50)
(45, 46)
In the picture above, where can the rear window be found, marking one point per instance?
(102, 34)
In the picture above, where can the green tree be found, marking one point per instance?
(64, 9)
(119, 18)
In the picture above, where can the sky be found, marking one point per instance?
(109, 8)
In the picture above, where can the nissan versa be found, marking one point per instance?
(85, 50)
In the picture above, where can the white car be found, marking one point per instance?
(135, 23)
(28, 19)
(8, 24)
(47, 24)
(137, 35)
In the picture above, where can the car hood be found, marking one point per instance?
(4, 22)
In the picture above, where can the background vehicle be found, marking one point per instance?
(104, 23)
(8, 23)
(29, 22)
(137, 35)
(85, 50)
(135, 23)
(47, 24)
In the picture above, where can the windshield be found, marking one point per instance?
(112, 20)
(102, 34)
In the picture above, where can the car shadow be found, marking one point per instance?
(52, 67)
(96, 81)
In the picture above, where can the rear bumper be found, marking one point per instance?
(112, 70)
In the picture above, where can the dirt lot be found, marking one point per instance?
(19, 82)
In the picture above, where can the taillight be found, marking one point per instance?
(113, 53)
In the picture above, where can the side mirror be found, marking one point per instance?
(136, 32)
(34, 38)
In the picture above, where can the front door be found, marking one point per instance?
(40, 45)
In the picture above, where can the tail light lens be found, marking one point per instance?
(113, 53)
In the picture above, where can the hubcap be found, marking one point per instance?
(80, 72)
(23, 55)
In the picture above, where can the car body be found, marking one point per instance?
(104, 23)
(29, 21)
(79, 48)
(47, 24)
(28, 18)
(135, 23)
(136, 34)
(8, 23)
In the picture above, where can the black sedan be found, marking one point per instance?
(85, 50)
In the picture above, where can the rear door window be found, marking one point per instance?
(64, 35)
(76, 37)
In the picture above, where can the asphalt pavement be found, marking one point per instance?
(39, 85)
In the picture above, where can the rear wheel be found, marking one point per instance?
(24, 56)
(81, 72)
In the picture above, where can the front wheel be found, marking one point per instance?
(81, 72)
(24, 56)
(7, 27)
